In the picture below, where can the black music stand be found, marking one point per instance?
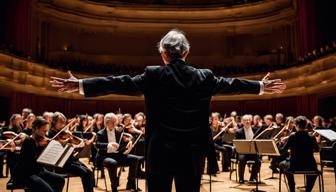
(270, 133)
(258, 147)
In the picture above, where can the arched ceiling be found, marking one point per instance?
(237, 19)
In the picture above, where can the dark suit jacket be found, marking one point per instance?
(240, 134)
(302, 147)
(101, 144)
(27, 165)
(177, 99)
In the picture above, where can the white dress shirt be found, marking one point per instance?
(111, 137)
(248, 133)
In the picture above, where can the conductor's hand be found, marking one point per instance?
(273, 86)
(69, 85)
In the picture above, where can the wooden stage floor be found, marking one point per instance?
(219, 183)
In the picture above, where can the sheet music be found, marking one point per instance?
(51, 153)
(327, 133)
(66, 156)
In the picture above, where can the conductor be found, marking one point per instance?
(177, 99)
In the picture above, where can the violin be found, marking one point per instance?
(11, 136)
(43, 141)
(66, 135)
(5, 146)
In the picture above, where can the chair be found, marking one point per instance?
(250, 163)
(327, 158)
(67, 177)
(234, 163)
(305, 173)
(121, 167)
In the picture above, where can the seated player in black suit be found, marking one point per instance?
(302, 147)
(247, 132)
(113, 153)
(28, 171)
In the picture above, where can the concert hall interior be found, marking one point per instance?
(107, 129)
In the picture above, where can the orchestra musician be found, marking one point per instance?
(302, 147)
(48, 117)
(277, 124)
(15, 126)
(112, 154)
(83, 123)
(177, 98)
(29, 124)
(2, 153)
(247, 132)
(220, 145)
(279, 120)
(28, 171)
(257, 122)
(139, 149)
(129, 125)
(25, 112)
(73, 165)
(98, 122)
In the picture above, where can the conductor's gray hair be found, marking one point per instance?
(174, 43)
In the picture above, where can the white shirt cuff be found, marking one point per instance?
(81, 88)
(261, 92)
(111, 149)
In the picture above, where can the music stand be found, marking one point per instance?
(258, 147)
(327, 133)
(270, 133)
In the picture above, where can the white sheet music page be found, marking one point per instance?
(51, 153)
(66, 156)
(327, 133)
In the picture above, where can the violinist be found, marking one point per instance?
(25, 112)
(28, 171)
(111, 155)
(279, 120)
(15, 126)
(98, 122)
(268, 119)
(48, 117)
(277, 124)
(139, 149)
(120, 127)
(220, 144)
(29, 124)
(282, 138)
(129, 125)
(98, 125)
(310, 130)
(84, 131)
(83, 123)
(318, 122)
(73, 165)
(302, 147)
(2, 156)
(257, 121)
